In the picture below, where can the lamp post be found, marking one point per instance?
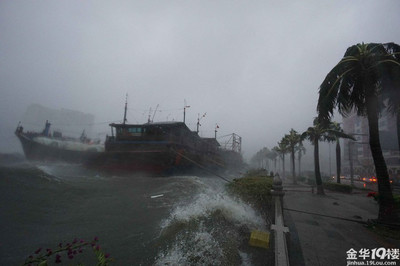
(330, 168)
(351, 162)
(351, 143)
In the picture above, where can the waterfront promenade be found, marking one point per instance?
(316, 239)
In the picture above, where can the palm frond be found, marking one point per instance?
(357, 77)
(338, 134)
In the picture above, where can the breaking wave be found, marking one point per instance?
(213, 229)
(208, 203)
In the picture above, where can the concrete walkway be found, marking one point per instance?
(319, 240)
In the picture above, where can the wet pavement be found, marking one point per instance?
(324, 228)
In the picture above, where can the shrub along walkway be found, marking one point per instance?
(316, 239)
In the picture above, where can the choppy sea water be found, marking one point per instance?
(178, 220)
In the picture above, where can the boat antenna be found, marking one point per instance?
(184, 110)
(148, 119)
(126, 107)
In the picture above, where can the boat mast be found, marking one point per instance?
(154, 114)
(198, 121)
(126, 107)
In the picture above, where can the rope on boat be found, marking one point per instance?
(201, 166)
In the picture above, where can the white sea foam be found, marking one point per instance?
(65, 171)
(49, 173)
(198, 231)
(246, 259)
(201, 249)
(208, 202)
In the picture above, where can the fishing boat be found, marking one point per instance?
(161, 148)
(47, 146)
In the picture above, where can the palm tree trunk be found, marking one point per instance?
(293, 167)
(318, 180)
(338, 161)
(283, 166)
(299, 163)
(387, 209)
(398, 127)
(278, 161)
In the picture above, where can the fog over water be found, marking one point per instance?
(253, 66)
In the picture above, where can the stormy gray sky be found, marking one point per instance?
(253, 66)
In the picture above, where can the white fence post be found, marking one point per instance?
(279, 228)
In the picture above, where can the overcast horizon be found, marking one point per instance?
(253, 66)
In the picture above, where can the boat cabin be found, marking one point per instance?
(159, 133)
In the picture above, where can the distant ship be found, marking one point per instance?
(44, 146)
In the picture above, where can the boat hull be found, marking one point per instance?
(156, 149)
(162, 161)
(36, 151)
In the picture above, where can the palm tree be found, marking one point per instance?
(281, 149)
(354, 84)
(275, 156)
(292, 140)
(336, 133)
(301, 150)
(256, 159)
(272, 156)
(314, 135)
(261, 158)
(265, 151)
